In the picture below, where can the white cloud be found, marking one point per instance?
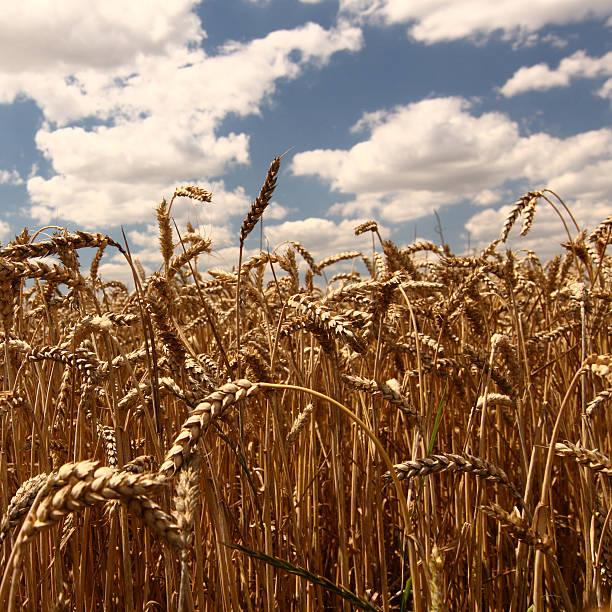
(65, 35)
(5, 230)
(606, 90)
(114, 203)
(10, 177)
(418, 157)
(323, 237)
(275, 212)
(118, 271)
(152, 101)
(437, 153)
(554, 40)
(184, 84)
(432, 21)
(541, 77)
(487, 197)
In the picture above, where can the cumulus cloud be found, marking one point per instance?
(323, 237)
(606, 90)
(554, 40)
(10, 177)
(540, 77)
(67, 35)
(5, 230)
(438, 152)
(133, 105)
(432, 21)
(418, 157)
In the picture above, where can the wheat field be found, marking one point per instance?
(431, 433)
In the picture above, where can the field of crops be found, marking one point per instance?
(431, 434)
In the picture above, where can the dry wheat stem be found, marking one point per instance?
(368, 432)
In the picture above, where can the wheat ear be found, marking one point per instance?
(186, 499)
(321, 315)
(253, 216)
(165, 232)
(381, 389)
(212, 407)
(517, 526)
(454, 463)
(299, 424)
(21, 503)
(592, 459)
(75, 486)
(521, 204)
(261, 202)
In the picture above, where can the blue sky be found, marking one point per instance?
(392, 109)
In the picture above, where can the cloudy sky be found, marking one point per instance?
(392, 109)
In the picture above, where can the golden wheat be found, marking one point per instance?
(286, 509)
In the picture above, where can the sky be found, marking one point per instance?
(391, 110)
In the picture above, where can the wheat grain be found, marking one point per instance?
(303, 418)
(21, 503)
(212, 407)
(193, 192)
(517, 526)
(385, 390)
(454, 463)
(261, 202)
(592, 459)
